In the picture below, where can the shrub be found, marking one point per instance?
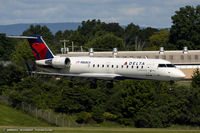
(109, 116)
(97, 114)
(84, 117)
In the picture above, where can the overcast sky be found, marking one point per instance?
(154, 13)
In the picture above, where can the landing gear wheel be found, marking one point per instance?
(171, 85)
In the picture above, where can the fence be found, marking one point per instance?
(49, 116)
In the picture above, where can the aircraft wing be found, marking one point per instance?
(83, 75)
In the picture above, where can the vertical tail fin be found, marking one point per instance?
(39, 48)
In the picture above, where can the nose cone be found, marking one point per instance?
(178, 75)
(181, 75)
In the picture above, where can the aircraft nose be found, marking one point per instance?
(179, 75)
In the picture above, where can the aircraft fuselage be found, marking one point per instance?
(121, 68)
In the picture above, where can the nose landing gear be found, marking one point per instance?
(171, 85)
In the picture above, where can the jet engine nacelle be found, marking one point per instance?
(56, 62)
(60, 62)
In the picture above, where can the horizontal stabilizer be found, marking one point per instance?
(23, 37)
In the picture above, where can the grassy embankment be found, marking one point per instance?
(12, 117)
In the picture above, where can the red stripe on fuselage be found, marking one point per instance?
(41, 49)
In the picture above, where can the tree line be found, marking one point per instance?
(129, 102)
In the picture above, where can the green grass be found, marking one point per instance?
(116, 130)
(12, 117)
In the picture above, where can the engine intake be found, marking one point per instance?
(60, 62)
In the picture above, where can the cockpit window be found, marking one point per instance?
(166, 65)
(161, 65)
(170, 65)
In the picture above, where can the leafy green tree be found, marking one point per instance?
(22, 53)
(74, 99)
(10, 74)
(78, 39)
(88, 28)
(95, 28)
(107, 41)
(97, 113)
(156, 113)
(196, 78)
(114, 28)
(33, 30)
(132, 98)
(33, 91)
(145, 34)
(109, 116)
(39, 30)
(131, 32)
(185, 106)
(84, 117)
(185, 30)
(152, 117)
(6, 47)
(160, 39)
(134, 35)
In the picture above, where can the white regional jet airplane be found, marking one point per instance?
(101, 68)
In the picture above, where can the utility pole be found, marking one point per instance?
(81, 48)
(72, 46)
(64, 41)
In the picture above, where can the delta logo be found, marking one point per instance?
(134, 63)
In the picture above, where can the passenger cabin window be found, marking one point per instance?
(102, 65)
(112, 66)
(93, 65)
(116, 66)
(98, 65)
